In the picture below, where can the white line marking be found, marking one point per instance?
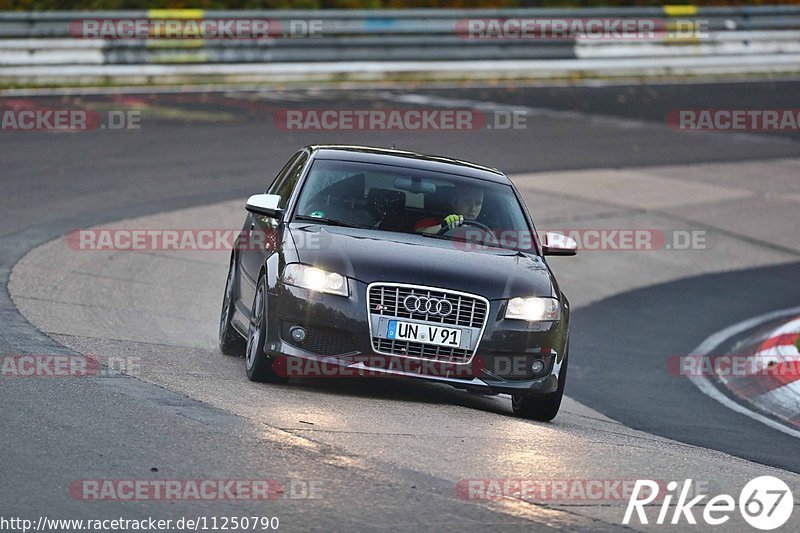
(788, 328)
(705, 386)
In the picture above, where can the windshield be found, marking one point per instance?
(406, 200)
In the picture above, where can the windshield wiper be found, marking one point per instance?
(434, 236)
(329, 221)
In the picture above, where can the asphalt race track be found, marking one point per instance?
(678, 409)
(385, 454)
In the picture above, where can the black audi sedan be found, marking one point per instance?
(363, 261)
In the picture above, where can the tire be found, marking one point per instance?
(543, 407)
(230, 341)
(258, 365)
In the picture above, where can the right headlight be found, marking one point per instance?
(315, 279)
(533, 309)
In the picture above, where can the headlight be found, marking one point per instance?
(533, 309)
(315, 279)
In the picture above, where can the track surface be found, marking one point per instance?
(666, 404)
(193, 152)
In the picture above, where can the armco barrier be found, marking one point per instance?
(41, 45)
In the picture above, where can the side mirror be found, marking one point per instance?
(265, 204)
(558, 244)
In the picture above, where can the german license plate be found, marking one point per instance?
(424, 333)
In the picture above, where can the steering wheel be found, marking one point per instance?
(475, 223)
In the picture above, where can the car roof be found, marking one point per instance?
(402, 158)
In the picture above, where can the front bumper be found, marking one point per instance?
(339, 344)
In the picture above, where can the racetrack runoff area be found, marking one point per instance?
(379, 444)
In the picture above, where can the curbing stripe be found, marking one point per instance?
(680, 11)
(750, 387)
(782, 339)
(775, 385)
(708, 388)
(183, 14)
(781, 402)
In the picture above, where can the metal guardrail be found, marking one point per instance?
(402, 48)
(47, 39)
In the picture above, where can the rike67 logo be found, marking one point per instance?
(766, 503)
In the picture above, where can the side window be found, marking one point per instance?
(287, 179)
(273, 186)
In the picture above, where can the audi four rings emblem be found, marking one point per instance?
(428, 306)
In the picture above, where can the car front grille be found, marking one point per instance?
(386, 299)
(469, 311)
(422, 351)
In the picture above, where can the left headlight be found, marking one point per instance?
(533, 309)
(315, 279)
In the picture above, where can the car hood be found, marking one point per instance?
(371, 255)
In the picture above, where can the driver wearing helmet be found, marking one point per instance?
(467, 206)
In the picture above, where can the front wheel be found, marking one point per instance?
(542, 407)
(257, 364)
